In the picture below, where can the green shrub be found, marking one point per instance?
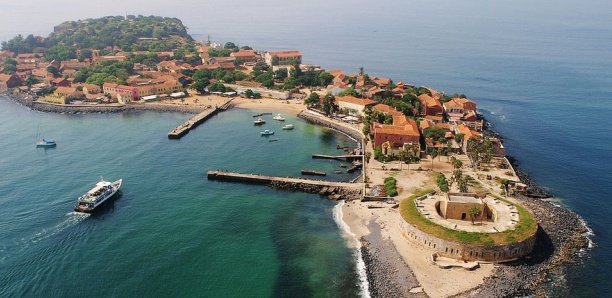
(442, 182)
(391, 186)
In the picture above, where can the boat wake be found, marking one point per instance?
(72, 219)
(355, 245)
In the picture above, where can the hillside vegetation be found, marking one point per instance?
(134, 33)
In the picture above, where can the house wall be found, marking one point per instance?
(455, 210)
(359, 109)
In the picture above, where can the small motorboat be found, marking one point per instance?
(46, 143)
(267, 132)
(259, 121)
(288, 127)
(278, 117)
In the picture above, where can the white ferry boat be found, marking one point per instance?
(97, 195)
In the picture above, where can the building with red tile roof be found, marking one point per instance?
(8, 81)
(430, 105)
(393, 138)
(120, 92)
(247, 56)
(283, 57)
(387, 110)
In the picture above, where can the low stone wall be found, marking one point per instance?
(323, 121)
(74, 109)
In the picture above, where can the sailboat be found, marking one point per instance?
(42, 142)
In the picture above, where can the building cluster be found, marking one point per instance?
(455, 120)
(147, 81)
(150, 81)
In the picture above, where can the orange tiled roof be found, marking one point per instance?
(355, 100)
(285, 54)
(336, 72)
(402, 125)
(429, 101)
(387, 109)
(243, 53)
(467, 132)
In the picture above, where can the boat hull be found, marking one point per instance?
(115, 185)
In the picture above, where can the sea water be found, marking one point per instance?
(171, 232)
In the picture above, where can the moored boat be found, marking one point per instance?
(278, 117)
(313, 173)
(46, 143)
(267, 132)
(288, 127)
(259, 121)
(100, 193)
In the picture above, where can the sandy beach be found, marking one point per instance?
(291, 107)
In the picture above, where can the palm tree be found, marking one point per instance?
(433, 153)
(474, 213)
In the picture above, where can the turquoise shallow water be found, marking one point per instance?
(171, 232)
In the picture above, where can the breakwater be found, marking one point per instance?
(331, 189)
(196, 120)
(315, 118)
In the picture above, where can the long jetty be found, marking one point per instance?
(335, 190)
(196, 120)
(338, 157)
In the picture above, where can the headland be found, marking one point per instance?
(446, 214)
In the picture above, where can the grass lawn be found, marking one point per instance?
(526, 226)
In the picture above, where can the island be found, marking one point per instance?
(438, 210)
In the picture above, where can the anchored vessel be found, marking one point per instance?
(278, 117)
(46, 143)
(267, 132)
(97, 195)
(288, 127)
(259, 121)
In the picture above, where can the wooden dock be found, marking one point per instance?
(196, 120)
(262, 179)
(338, 157)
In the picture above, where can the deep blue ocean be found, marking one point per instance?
(541, 72)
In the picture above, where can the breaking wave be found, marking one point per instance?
(355, 245)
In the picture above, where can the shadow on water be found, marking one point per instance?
(327, 136)
(298, 240)
(543, 249)
(290, 279)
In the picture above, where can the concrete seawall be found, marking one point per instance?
(354, 133)
(81, 109)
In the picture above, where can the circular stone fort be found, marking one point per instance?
(468, 226)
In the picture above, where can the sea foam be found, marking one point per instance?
(355, 245)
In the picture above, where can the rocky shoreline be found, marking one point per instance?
(333, 193)
(388, 275)
(562, 236)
